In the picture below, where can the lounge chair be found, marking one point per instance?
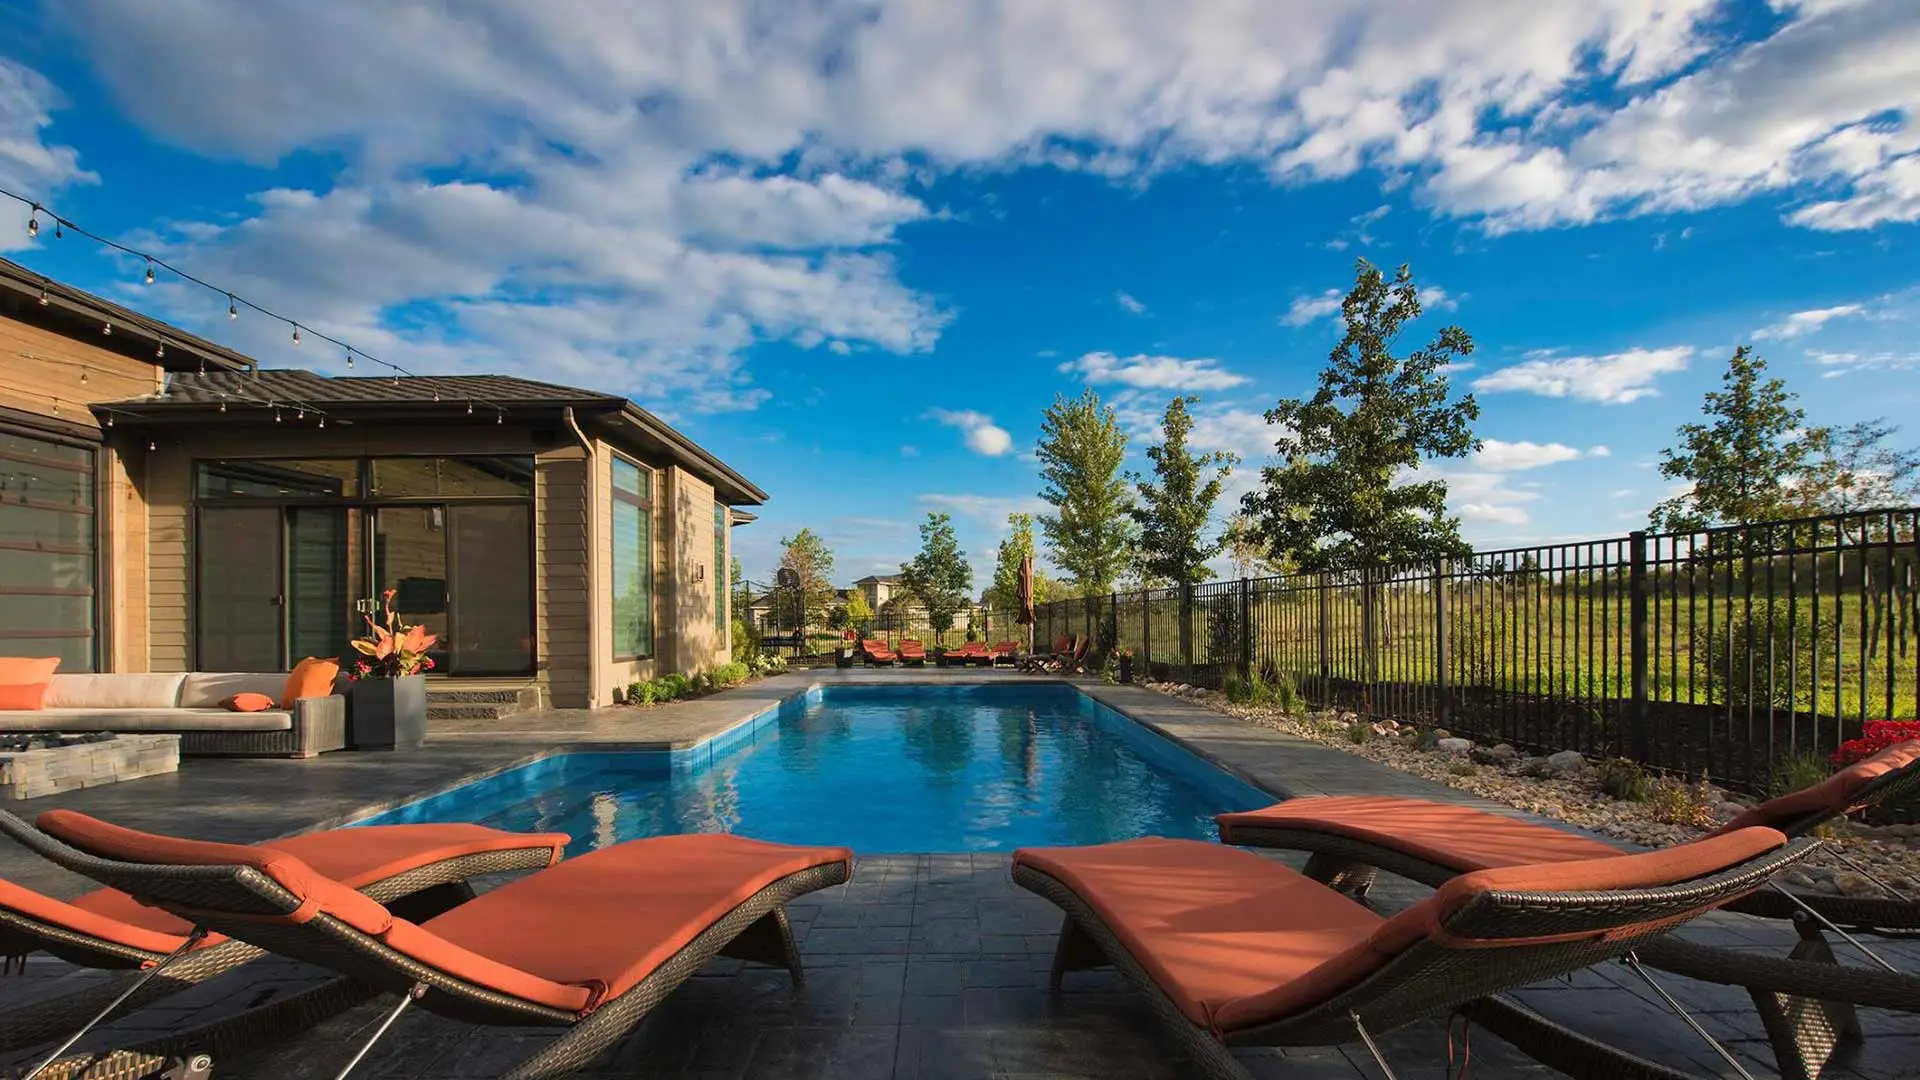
(1048, 661)
(421, 869)
(964, 654)
(1231, 948)
(591, 945)
(877, 652)
(912, 653)
(1806, 1001)
(1003, 650)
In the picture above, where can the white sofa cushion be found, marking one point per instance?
(143, 720)
(208, 690)
(160, 690)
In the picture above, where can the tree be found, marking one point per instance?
(1173, 515)
(1247, 553)
(1742, 466)
(1081, 448)
(939, 577)
(859, 612)
(812, 563)
(1853, 470)
(1340, 496)
(1003, 595)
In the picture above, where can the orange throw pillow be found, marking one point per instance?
(310, 678)
(24, 681)
(248, 703)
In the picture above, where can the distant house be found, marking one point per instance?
(879, 588)
(165, 505)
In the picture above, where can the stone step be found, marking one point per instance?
(469, 712)
(492, 703)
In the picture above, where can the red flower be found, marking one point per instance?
(1878, 736)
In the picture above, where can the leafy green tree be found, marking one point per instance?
(1081, 449)
(1003, 595)
(811, 561)
(859, 612)
(1852, 469)
(1246, 551)
(939, 577)
(1743, 464)
(1174, 514)
(1336, 499)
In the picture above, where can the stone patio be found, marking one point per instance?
(921, 966)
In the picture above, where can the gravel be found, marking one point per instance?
(1562, 786)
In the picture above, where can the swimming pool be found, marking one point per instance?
(881, 769)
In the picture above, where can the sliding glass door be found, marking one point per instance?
(240, 587)
(490, 556)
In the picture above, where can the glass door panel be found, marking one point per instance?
(320, 616)
(491, 586)
(410, 557)
(238, 574)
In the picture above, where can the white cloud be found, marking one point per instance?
(1801, 323)
(1132, 306)
(1306, 309)
(980, 433)
(1614, 379)
(1153, 372)
(1435, 298)
(1841, 363)
(1496, 455)
(988, 510)
(785, 212)
(28, 164)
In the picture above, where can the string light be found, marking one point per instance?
(233, 307)
(109, 419)
(33, 222)
(150, 445)
(57, 234)
(160, 350)
(349, 359)
(107, 330)
(323, 423)
(83, 376)
(296, 335)
(43, 296)
(469, 408)
(149, 271)
(276, 415)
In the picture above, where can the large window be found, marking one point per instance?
(47, 551)
(722, 581)
(632, 560)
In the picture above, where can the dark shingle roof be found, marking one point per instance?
(188, 389)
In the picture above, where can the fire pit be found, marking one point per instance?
(44, 763)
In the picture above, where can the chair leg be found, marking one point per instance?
(769, 941)
(1372, 1047)
(1633, 965)
(193, 942)
(1348, 877)
(413, 994)
(1076, 952)
(1805, 1032)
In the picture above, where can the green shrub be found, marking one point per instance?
(1676, 802)
(671, 687)
(1238, 690)
(1623, 779)
(745, 641)
(1797, 773)
(639, 693)
(1359, 732)
(1758, 659)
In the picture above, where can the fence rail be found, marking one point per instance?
(1724, 651)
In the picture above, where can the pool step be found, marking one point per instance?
(470, 703)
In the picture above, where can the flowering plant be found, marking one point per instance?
(1124, 652)
(1878, 736)
(393, 650)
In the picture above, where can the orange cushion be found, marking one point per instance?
(1427, 919)
(309, 678)
(1459, 838)
(108, 914)
(608, 919)
(24, 681)
(1211, 924)
(248, 703)
(1833, 796)
(360, 856)
(317, 892)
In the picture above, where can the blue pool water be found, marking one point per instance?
(880, 769)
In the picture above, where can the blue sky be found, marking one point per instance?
(856, 248)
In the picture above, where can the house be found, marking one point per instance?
(167, 505)
(880, 588)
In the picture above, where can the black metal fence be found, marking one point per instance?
(776, 617)
(1726, 651)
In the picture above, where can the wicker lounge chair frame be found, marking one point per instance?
(1429, 979)
(876, 652)
(418, 893)
(233, 898)
(915, 658)
(1806, 1000)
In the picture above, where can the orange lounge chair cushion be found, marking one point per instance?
(309, 678)
(355, 858)
(1834, 795)
(1211, 924)
(1063, 645)
(1460, 838)
(599, 924)
(24, 681)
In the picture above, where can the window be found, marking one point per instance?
(47, 551)
(632, 560)
(721, 579)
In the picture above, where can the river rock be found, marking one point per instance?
(1565, 763)
(1494, 755)
(1454, 746)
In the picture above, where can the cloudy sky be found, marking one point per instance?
(856, 247)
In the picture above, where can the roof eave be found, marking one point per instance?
(183, 350)
(735, 488)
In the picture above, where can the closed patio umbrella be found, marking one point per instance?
(1024, 597)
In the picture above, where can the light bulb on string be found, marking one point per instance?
(500, 417)
(109, 419)
(223, 404)
(276, 415)
(469, 408)
(43, 296)
(58, 233)
(203, 365)
(33, 222)
(107, 330)
(323, 423)
(296, 333)
(160, 350)
(149, 271)
(150, 445)
(83, 376)
(349, 359)
(233, 307)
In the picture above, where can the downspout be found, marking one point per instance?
(594, 660)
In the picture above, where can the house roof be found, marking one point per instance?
(35, 297)
(882, 579)
(192, 395)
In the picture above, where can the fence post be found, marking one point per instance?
(1638, 718)
(1442, 708)
(1115, 609)
(1146, 633)
(1186, 629)
(1321, 586)
(1246, 630)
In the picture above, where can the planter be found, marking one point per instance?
(843, 658)
(387, 714)
(1126, 669)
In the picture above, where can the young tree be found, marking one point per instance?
(1174, 514)
(1003, 595)
(859, 612)
(1337, 499)
(939, 576)
(1247, 553)
(1853, 470)
(1081, 448)
(812, 563)
(1743, 464)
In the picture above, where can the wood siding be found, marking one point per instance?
(40, 373)
(563, 562)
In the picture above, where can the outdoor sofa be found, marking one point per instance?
(191, 705)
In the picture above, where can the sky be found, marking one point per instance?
(856, 248)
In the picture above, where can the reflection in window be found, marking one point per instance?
(720, 584)
(632, 560)
(279, 479)
(46, 551)
(452, 477)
